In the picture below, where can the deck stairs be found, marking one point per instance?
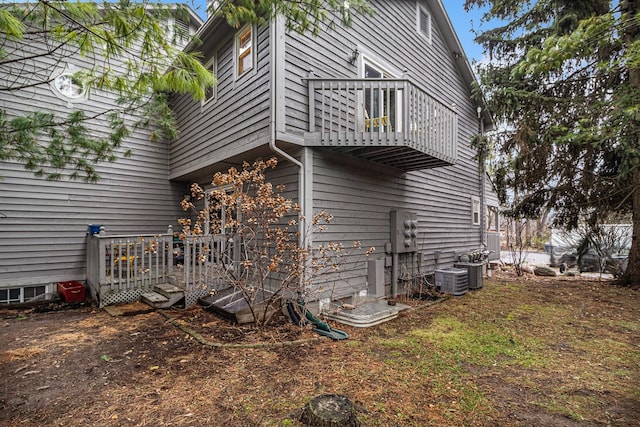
(163, 295)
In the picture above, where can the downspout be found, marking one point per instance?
(276, 46)
(483, 182)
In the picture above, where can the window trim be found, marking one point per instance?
(236, 51)
(212, 64)
(420, 9)
(387, 72)
(21, 298)
(475, 210)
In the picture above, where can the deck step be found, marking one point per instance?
(152, 298)
(163, 295)
(167, 289)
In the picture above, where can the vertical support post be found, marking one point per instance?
(187, 264)
(312, 101)
(170, 255)
(405, 104)
(112, 247)
(102, 261)
(394, 275)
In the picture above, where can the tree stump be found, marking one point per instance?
(330, 410)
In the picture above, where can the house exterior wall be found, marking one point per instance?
(236, 121)
(388, 39)
(361, 194)
(43, 224)
(358, 193)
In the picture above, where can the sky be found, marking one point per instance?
(462, 23)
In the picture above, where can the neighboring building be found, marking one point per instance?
(43, 224)
(365, 120)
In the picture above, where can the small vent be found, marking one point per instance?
(424, 23)
(182, 27)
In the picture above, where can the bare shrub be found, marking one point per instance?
(261, 241)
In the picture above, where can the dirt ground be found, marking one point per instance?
(80, 366)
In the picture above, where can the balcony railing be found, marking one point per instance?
(391, 121)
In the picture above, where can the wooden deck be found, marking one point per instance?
(120, 268)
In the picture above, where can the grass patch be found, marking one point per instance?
(481, 344)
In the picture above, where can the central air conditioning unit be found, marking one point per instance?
(452, 281)
(474, 271)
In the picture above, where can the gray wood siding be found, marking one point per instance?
(235, 122)
(390, 37)
(360, 195)
(43, 223)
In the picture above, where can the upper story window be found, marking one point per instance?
(244, 50)
(211, 92)
(69, 86)
(424, 22)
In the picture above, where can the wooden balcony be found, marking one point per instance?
(391, 121)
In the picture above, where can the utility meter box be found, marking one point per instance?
(404, 232)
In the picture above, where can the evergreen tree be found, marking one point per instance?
(563, 82)
(129, 50)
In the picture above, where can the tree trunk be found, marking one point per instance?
(541, 224)
(527, 233)
(632, 276)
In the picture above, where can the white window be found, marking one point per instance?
(244, 50)
(382, 103)
(423, 21)
(19, 295)
(475, 210)
(211, 92)
(69, 86)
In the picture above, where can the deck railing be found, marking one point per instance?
(381, 113)
(206, 260)
(122, 267)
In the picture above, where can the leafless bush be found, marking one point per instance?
(264, 247)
